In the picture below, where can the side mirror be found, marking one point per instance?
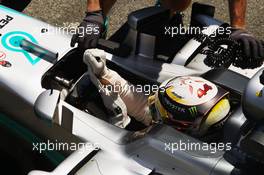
(15, 4)
(46, 104)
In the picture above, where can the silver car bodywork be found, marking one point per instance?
(121, 152)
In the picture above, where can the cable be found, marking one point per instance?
(218, 56)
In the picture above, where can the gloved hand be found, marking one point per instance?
(96, 60)
(136, 102)
(89, 31)
(252, 47)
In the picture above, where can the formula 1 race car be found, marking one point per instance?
(39, 66)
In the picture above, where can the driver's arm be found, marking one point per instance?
(237, 10)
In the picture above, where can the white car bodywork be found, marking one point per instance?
(117, 155)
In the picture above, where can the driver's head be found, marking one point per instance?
(193, 104)
(176, 5)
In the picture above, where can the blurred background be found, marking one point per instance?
(71, 12)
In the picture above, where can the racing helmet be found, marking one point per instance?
(193, 104)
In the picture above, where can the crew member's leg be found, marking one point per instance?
(237, 9)
(95, 5)
(176, 5)
(107, 5)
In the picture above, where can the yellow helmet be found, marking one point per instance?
(192, 103)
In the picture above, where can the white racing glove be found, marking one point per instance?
(112, 83)
(111, 100)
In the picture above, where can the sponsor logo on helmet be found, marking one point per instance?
(193, 111)
(191, 91)
(174, 107)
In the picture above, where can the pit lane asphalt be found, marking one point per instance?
(71, 12)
